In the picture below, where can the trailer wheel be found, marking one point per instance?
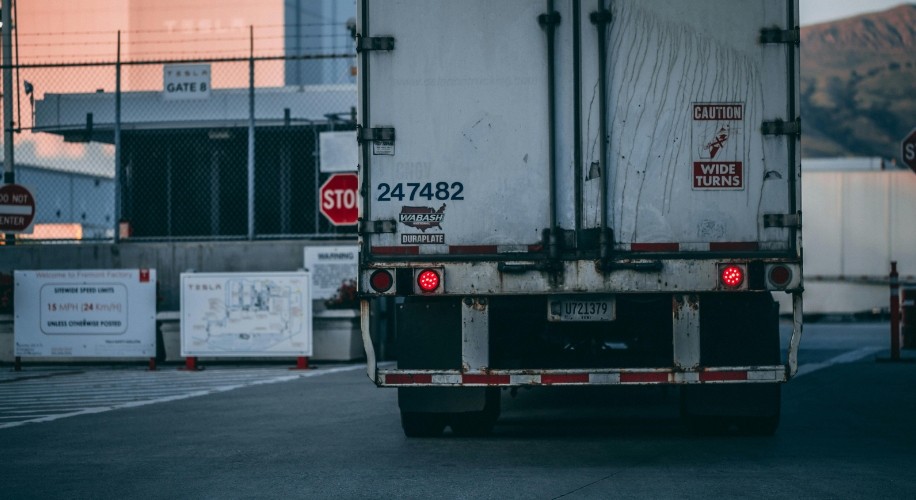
(420, 425)
(477, 423)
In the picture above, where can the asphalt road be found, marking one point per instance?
(848, 431)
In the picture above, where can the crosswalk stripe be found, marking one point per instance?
(45, 399)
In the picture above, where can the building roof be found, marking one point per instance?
(860, 164)
(66, 114)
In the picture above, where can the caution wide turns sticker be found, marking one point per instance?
(718, 146)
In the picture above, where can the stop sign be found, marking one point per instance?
(17, 208)
(909, 150)
(339, 199)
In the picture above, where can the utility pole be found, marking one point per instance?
(8, 126)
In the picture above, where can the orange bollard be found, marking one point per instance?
(895, 318)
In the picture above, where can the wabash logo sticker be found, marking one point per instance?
(422, 218)
(718, 146)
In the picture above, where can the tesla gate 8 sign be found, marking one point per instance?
(339, 199)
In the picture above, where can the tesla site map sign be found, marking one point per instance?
(246, 314)
(85, 313)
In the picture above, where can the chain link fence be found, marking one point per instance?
(209, 149)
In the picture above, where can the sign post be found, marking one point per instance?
(339, 199)
(17, 209)
(908, 150)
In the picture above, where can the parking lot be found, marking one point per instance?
(265, 432)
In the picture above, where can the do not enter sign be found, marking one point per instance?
(909, 150)
(339, 200)
(17, 208)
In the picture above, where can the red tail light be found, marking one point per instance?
(780, 276)
(381, 281)
(732, 276)
(428, 280)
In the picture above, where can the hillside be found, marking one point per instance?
(859, 84)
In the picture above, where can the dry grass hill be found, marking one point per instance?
(859, 84)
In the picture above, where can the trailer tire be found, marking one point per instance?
(423, 425)
(478, 423)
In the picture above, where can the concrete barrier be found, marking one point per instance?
(335, 337)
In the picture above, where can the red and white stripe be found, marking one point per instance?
(401, 378)
(735, 246)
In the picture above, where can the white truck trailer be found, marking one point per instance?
(580, 192)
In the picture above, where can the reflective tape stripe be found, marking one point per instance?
(630, 378)
(565, 378)
(685, 377)
(604, 378)
(763, 375)
(486, 379)
(398, 379)
(558, 377)
(446, 379)
(526, 379)
(722, 376)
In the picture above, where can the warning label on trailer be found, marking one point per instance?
(718, 146)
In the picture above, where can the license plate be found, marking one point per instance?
(593, 308)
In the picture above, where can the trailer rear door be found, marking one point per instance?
(689, 87)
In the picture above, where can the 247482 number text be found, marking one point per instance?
(439, 191)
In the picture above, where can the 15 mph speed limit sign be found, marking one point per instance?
(909, 150)
(17, 209)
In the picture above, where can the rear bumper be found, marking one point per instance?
(642, 376)
(687, 369)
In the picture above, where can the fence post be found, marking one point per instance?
(251, 134)
(117, 145)
(316, 163)
(8, 128)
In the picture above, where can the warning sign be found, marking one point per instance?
(718, 146)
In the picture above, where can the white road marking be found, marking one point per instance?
(97, 392)
(846, 357)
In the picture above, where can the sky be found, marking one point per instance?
(819, 11)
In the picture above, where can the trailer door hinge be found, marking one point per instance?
(601, 17)
(782, 220)
(366, 43)
(780, 127)
(377, 226)
(374, 134)
(550, 19)
(776, 35)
